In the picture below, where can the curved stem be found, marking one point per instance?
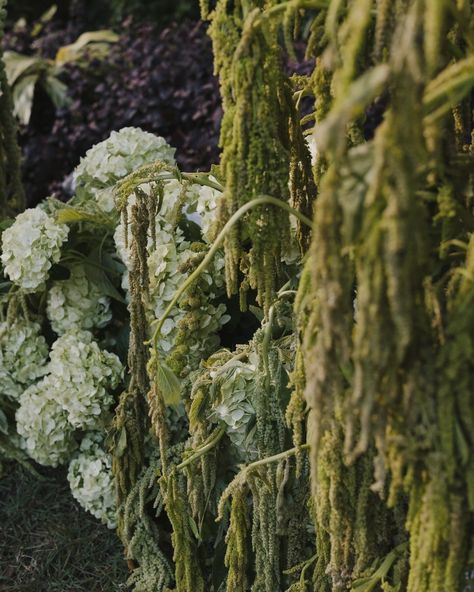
(274, 458)
(204, 449)
(262, 200)
(197, 178)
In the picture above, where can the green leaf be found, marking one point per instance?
(102, 281)
(6, 223)
(23, 94)
(169, 384)
(5, 286)
(43, 20)
(96, 272)
(122, 443)
(257, 312)
(3, 423)
(74, 51)
(57, 91)
(70, 215)
(18, 65)
(194, 528)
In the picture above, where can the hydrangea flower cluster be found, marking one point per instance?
(167, 267)
(235, 385)
(207, 201)
(77, 303)
(74, 394)
(83, 376)
(23, 356)
(48, 437)
(91, 480)
(30, 247)
(111, 160)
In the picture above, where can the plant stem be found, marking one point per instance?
(262, 200)
(271, 459)
(215, 438)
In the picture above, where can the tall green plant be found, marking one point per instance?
(388, 284)
(372, 382)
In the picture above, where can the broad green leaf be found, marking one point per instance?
(102, 281)
(69, 215)
(18, 65)
(57, 91)
(257, 312)
(169, 384)
(96, 272)
(23, 94)
(6, 223)
(74, 51)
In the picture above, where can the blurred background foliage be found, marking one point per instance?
(148, 77)
(111, 11)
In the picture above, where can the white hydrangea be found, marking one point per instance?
(30, 247)
(91, 480)
(77, 303)
(166, 264)
(23, 356)
(207, 202)
(165, 278)
(47, 436)
(313, 147)
(168, 214)
(234, 386)
(111, 160)
(83, 376)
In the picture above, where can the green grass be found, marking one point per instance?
(48, 543)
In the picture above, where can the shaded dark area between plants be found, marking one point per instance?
(48, 543)
(160, 81)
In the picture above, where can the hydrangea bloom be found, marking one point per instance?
(206, 208)
(23, 356)
(83, 376)
(166, 266)
(235, 383)
(30, 247)
(42, 422)
(77, 303)
(91, 480)
(122, 153)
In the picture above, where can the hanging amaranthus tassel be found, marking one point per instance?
(262, 146)
(382, 291)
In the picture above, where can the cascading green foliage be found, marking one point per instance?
(12, 196)
(332, 451)
(388, 276)
(263, 151)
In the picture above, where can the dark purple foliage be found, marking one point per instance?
(162, 82)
